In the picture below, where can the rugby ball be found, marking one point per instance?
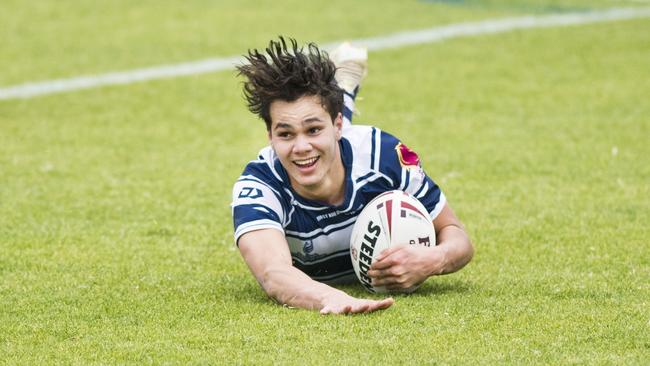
(392, 218)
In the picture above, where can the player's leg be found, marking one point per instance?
(351, 67)
(348, 107)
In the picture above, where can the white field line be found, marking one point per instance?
(435, 34)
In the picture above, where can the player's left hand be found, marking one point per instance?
(404, 266)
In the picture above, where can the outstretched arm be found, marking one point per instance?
(266, 253)
(403, 266)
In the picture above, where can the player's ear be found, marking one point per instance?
(338, 126)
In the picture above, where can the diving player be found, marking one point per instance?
(295, 205)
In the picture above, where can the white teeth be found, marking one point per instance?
(306, 162)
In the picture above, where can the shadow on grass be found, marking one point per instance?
(241, 290)
(432, 287)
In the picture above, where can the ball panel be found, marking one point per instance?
(368, 239)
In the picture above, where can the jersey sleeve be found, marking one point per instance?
(255, 205)
(404, 168)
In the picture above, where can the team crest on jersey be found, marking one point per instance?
(308, 247)
(407, 157)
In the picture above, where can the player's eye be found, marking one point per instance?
(284, 135)
(314, 130)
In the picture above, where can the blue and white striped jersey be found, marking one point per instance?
(319, 234)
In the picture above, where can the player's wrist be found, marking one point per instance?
(438, 260)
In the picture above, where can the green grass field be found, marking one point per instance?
(115, 231)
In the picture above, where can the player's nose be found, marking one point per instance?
(301, 145)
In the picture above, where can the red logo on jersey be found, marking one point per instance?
(407, 157)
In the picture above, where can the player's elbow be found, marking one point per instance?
(469, 251)
(464, 250)
(466, 247)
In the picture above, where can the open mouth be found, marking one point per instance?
(306, 163)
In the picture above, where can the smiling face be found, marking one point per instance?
(305, 140)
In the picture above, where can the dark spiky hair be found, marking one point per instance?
(287, 73)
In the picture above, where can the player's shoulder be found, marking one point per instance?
(361, 150)
(263, 168)
(258, 199)
(395, 154)
(260, 175)
(384, 151)
(359, 134)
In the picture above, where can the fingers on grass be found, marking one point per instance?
(382, 304)
(363, 308)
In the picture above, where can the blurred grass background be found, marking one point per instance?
(115, 230)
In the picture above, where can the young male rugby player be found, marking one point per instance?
(295, 205)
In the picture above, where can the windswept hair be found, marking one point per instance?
(287, 73)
